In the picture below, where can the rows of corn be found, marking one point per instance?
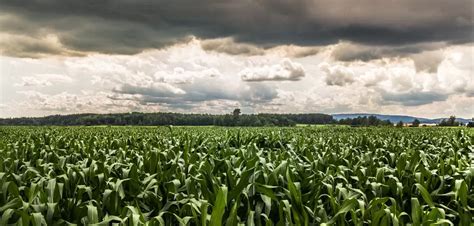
(238, 176)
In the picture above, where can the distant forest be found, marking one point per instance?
(152, 119)
(235, 118)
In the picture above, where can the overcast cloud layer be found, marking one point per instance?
(332, 56)
(127, 27)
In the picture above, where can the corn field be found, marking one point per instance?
(236, 176)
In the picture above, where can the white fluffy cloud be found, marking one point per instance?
(413, 98)
(337, 75)
(432, 78)
(188, 78)
(83, 102)
(152, 89)
(427, 61)
(181, 76)
(285, 70)
(229, 46)
(43, 80)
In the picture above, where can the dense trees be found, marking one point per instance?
(365, 121)
(415, 123)
(136, 118)
(234, 118)
(236, 112)
(471, 123)
(400, 124)
(451, 121)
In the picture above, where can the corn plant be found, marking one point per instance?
(236, 176)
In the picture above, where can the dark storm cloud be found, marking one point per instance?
(354, 52)
(29, 47)
(424, 55)
(127, 27)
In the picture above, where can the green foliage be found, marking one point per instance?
(400, 124)
(365, 121)
(415, 123)
(451, 121)
(161, 118)
(235, 176)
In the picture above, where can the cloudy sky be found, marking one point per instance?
(331, 56)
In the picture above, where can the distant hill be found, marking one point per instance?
(396, 118)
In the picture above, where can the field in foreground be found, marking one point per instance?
(252, 176)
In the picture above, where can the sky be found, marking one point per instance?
(274, 56)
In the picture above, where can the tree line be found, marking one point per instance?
(234, 118)
(179, 119)
(365, 121)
